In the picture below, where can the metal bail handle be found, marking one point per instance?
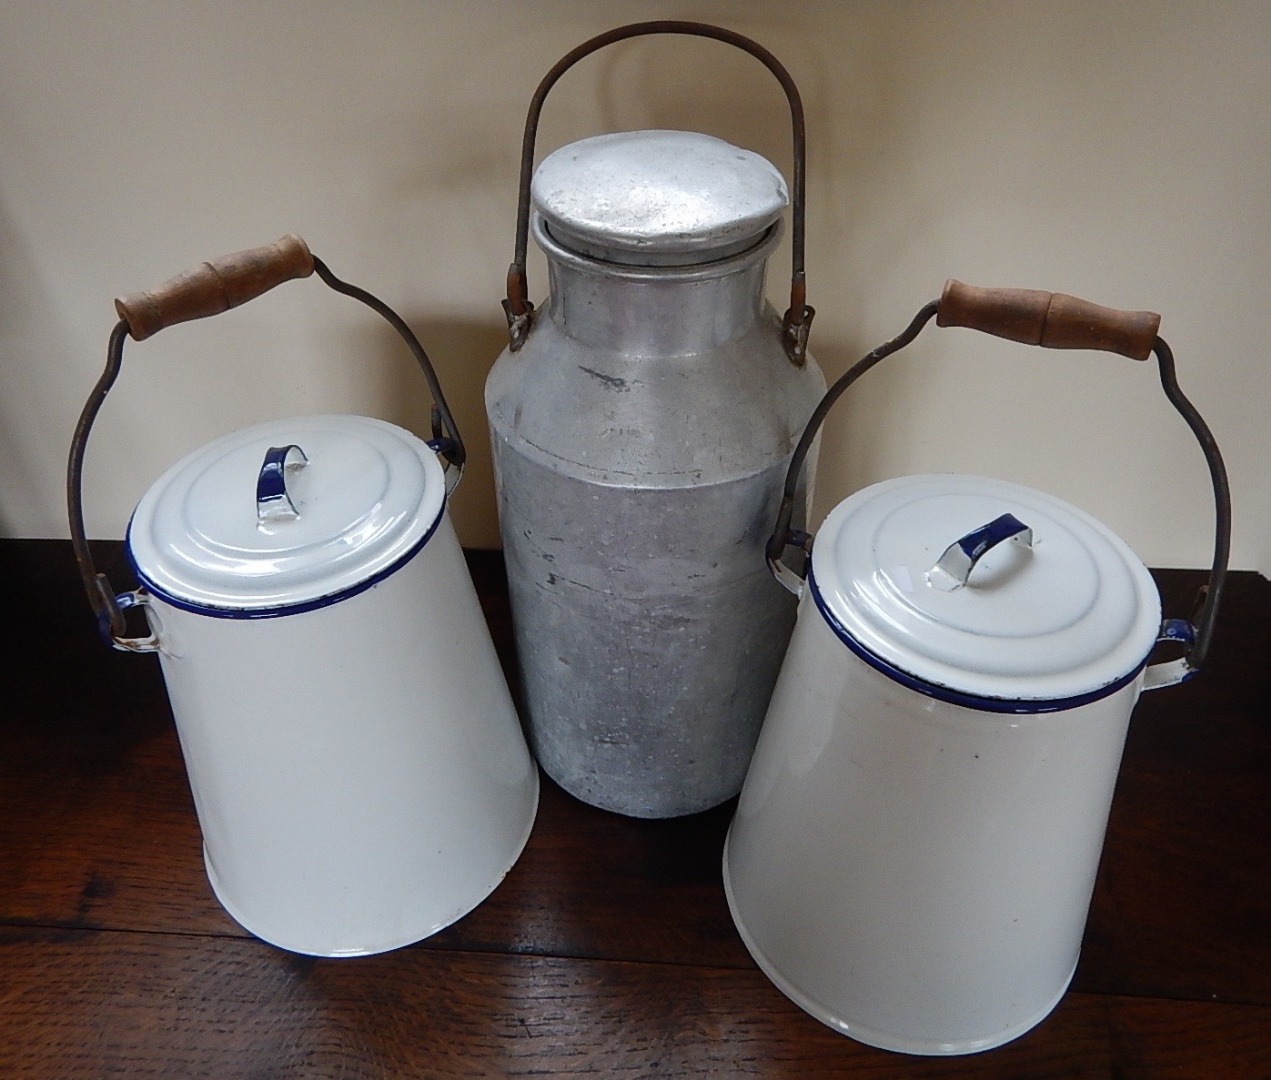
(209, 289)
(1053, 321)
(797, 321)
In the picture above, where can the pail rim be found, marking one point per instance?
(1064, 615)
(1019, 706)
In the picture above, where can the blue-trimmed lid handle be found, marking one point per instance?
(208, 289)
(1053, 321)
(273, 500)
(953, 568)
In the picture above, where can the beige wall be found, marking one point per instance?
(1118, 151)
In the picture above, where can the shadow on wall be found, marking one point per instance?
(462, 353)
(31, 350)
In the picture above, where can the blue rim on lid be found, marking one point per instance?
(367, 501)
(1062, 623)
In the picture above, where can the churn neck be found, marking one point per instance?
(655, 310)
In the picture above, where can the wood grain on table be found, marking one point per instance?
(608, 950)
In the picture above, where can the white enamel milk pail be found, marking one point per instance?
(357, 767)
(915, 847)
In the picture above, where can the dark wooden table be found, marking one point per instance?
(608, 950)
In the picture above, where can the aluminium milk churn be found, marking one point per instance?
(358, 769)
(642, 421)
(915, 847)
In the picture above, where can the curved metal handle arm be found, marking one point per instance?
(782, 537)
(101, 597)
(443, 422)
(1210, 594)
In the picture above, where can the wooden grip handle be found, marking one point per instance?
(216, 286)
(1052, 320)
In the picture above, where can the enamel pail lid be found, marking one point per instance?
(287, 515)
(984, 592)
